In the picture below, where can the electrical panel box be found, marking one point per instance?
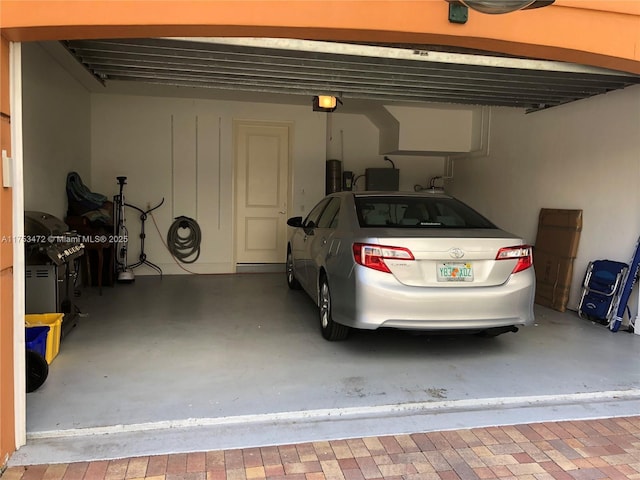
(383, 179)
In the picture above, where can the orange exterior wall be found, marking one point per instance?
(7, 412)
(600, 33)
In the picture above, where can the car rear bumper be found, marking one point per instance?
(381, 301)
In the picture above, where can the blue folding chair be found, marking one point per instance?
(601, 289)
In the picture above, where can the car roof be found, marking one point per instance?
(376, 193)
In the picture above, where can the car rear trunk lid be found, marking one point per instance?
(453, 262)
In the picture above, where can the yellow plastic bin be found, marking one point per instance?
(54, 322)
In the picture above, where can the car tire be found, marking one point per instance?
(331, 330)
(292, 281)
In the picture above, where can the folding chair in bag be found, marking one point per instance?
(601, 289)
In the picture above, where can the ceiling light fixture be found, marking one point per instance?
(325, 103)
(496, 7)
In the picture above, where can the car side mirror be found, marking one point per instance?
(295, 222)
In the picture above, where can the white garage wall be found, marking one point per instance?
(181, 149)
(353, 138)
(583, 155)
(56, 131)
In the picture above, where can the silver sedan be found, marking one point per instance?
(416, 261)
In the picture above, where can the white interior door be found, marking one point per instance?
(262, 191)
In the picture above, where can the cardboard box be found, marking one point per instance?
(559, 232)
(556, 248)
(553, 280)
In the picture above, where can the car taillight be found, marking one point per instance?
(523, 253)
(372, 256)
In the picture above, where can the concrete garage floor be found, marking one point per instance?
(196, 363)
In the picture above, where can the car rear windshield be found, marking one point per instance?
(417, 212)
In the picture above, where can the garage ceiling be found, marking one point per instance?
(349, 71)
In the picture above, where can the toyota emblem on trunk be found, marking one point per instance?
(456, 253)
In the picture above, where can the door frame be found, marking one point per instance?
(259, 123)
(19, 367)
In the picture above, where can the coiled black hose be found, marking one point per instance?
(183, 247)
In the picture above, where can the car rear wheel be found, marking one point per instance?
(292, 281)
(331, 330)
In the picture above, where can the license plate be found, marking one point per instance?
(455, 272)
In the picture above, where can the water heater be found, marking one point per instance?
(334, 176)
